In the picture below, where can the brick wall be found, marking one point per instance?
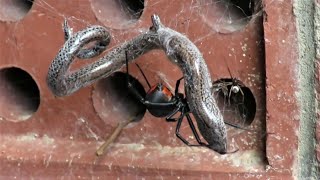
(47, 136)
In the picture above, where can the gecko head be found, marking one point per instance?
(220, 147)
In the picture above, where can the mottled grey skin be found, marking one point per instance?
(178, 48)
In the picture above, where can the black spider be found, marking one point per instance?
(160, 102)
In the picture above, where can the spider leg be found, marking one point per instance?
(178, 130)
(222, 87)
(238, 127)
(229, 96)
(194, 131)
(130, 87)
(225, 92)
(176, 91)
(242, 94)
(182, 138)
(170, 119)
(144, 76)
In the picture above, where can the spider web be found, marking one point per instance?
(223, 16)
(226, 13)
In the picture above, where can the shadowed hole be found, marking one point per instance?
(114, 103)
(19, 94)
(118, 14)
(237, 108)
(227, 16)
(14, 10)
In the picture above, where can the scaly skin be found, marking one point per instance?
(180, 50)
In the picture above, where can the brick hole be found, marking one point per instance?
(237, 109)
(19, 94)
(113, 102)
(118, 14)
(14, 10)
(227, 16)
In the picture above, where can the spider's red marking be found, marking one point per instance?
(167, 92)
(164, 90)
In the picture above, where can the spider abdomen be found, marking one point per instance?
(160, 94)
